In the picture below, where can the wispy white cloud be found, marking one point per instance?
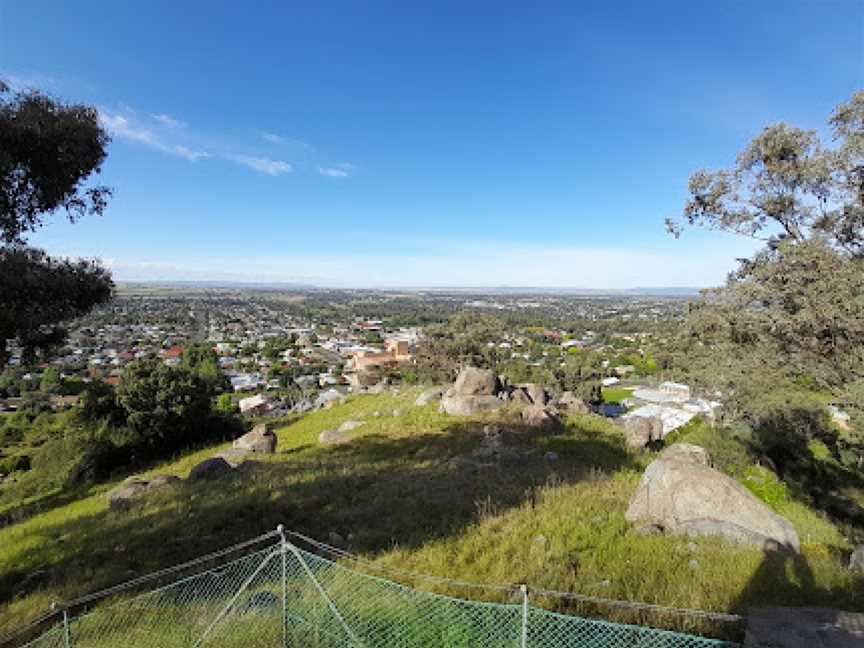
(262, 164)
(19, 83)
(128, 128)
(342, 170)
(168, 120)
(167, 134)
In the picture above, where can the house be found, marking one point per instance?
(396, 351)
(173, 352)
(676, 391)
(246, 382)
(254, 405)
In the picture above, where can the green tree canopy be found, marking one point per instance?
(794, 313)
(165, 407)
(48, 150)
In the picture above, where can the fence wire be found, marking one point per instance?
(284, 596)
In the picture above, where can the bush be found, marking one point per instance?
(765, 485)
(14, 464)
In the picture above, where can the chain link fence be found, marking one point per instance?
(284, 596)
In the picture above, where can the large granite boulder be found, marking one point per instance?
(640, 431)
(212, 468)
(683, 497)
(260, 439)
(461, 405)
(519, 395)
(234, 456)
(537, 393)
(539, 416)
(132, 490)
(472, 381)
(572, 403)
(431, 395)
(687, 452)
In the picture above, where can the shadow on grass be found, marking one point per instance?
(784, 582)
(375, 492)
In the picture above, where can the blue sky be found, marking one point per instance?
(424, 144)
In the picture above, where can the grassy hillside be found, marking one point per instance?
(402, 493)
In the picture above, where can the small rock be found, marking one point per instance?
(572, 403)
(333, 437)
(694, 564)
(260, 439)
(398, 412)
(606, 583)
(551, 456)
(539, 416)
(210, 469)
(347, 426)
(431, 395)
(856, 560)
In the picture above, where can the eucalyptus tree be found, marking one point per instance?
(48, 150)
(794, 312)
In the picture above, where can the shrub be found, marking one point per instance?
(14, 464)
(765, 485)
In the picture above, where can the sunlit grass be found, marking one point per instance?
(395, 495)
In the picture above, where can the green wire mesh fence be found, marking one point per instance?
(284, 596)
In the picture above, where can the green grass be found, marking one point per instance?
(617, 395)
(399, 498)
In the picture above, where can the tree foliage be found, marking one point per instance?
(466, 339)
(166, 408)
(48, 150)
(793, 314)
(38, 291)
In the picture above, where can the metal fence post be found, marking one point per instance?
(284, 548)
(67, 631)
(524, 589)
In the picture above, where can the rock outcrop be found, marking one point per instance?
(687, 452)
(132, 490)
(459, 405)
(260, 439)
(640, 431)
(537, 393)
(539, 416)
(472, 381)
(572, 403)
(679, 494)
(474, 391)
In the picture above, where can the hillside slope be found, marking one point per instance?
(407, 492)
